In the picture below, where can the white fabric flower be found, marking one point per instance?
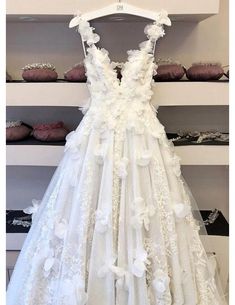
(84, 29)
(61, 229)
(86, 32)
(181, 210)
(139, 264)
(158, 131)
(135, 125)
(122, 276)
(100, 124)
(160, 282)
(162, 18)
(100, 153)
(73, 143)
(32, 209)
(115, 64)
(154, 31)
(107, 267)
(145, 158)
(122, 167)
(123, 280)
(103, 219)
(142, 215)
(50, 264)
(175, 162)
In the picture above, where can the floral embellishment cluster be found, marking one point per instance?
(73, 142)
(142, 214)
(122, 167)
(181, 210)
(32, 209)
(145, 158)
(160, 282)
(103, 220)
(84, 29)
(155, 31)
(50, 264)
(140, 262)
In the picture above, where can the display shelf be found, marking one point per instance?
(76, 94)
(203, 155)
(62, 10)
(47, 155)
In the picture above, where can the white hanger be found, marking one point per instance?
(115, 8)
(120, 8)
(112, 9)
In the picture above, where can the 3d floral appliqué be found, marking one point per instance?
(61, 228)
(142, 214)
(103, 218)
(140, 262)
(122, 167)
(144, 158)
(160, 282)
(181, 210)
(32, 209)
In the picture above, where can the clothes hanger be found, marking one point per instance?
(115, 8)
(112, 9)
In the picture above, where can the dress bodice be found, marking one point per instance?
(128, 98)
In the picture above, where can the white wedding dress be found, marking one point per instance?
(115, 226)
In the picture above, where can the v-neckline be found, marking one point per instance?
(110, 62)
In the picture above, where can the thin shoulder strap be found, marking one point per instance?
(155, 30)
(88, 36)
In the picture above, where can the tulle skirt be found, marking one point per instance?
(115, 227)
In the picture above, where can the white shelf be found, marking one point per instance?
(46, 155)
(34, 155)
(61, 10)
(75, 94)
(203, 154)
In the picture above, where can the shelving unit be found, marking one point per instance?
(61, 10)
(75, 94)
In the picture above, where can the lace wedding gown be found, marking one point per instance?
(115, 226)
